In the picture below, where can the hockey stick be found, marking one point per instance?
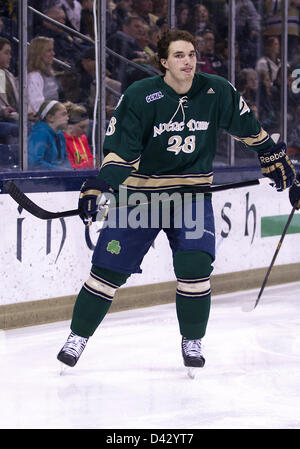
(249, 307)
(43, 214)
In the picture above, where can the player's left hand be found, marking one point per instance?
(294, 193)
(92, 198)
(276, 165)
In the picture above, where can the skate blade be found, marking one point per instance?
(192, 372)
(63, 369)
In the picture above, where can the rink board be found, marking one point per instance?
(41, 260)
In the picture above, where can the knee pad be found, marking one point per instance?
(193, 269)
(104, 283)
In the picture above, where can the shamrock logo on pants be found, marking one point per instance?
(114, 247)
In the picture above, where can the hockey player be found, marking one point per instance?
(162, 137)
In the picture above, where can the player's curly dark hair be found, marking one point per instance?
(166, 39)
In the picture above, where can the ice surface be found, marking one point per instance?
(131, 374)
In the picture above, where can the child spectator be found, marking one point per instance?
(46, 142)
(42, 84)
(9, 97)
(78, 150)
(247, 85)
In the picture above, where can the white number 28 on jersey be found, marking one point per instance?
(176, 145)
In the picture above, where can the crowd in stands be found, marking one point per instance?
(62, 68)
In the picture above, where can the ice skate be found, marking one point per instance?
(72, 349)
(192, 356)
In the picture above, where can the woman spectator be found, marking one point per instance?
(78, 150)
(199, 20)
(182, 16)
(42, 84)
(270, 61)
(9, 98)
(46, 142)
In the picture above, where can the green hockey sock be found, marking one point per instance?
(94, 300)
(193, 297)
(192, 316)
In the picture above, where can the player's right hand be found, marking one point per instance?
(277, 166)
(92, 198)
(294, 193)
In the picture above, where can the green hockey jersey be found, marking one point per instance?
(159, 140)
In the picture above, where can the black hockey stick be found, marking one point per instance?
(249, 307)
(33, 208)
(43, 214)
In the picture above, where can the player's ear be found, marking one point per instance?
(164, 63)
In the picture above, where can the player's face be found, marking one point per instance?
(181, 62)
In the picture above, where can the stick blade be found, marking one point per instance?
(33, 208)
(248, 306)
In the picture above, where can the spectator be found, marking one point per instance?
(9, 97)
(209, 55)
(78, 150)
(218, 11)
(87, 19)
(86, 73)
(143, 9)
(42, 84)
(247, 85)
(273, 22)
(223, 54)
(182, 16)
(270, 61)
(268, 113)
(160, 8)
(35, 22)
(9, 30)
(72, 9)
(121, 11)
(66, 48)
(46, 142)
(154, 36)
(247, 32)
(124, 43)
(247, 20)
(144, 41)
(199, 20)
(162, 24)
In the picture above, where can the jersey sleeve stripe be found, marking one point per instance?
(114, 159)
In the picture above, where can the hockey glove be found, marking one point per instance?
(275, 164)
(92, 199)
(294, 193)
